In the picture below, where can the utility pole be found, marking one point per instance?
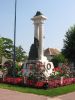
(14, 56)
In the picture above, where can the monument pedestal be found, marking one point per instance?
(37, 65)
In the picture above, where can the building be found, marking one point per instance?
(51, 52)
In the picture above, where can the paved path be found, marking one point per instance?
(69, 96)
(14, 95)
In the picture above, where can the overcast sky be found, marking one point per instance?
(60, 16)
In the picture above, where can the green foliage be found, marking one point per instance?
(69, 44)
(63, 71)
(5, 47)
(58, 59)
(9, 66)
(1, 48)
(20, 54)
(66, 70)
(6, 50)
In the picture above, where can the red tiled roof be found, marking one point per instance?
(51, 51)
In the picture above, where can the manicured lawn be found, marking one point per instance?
(49, 92)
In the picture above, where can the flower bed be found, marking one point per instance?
(39, 84)
(51, 83)
(12, 80)
(54, 83)
(65, 81)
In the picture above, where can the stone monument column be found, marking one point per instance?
(38, 32)
(40, 41)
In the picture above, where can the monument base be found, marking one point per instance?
(38, 69)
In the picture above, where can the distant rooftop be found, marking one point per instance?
(51, 51)
(38, 13)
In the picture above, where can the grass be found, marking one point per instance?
(49, 92)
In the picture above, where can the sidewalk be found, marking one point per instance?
(14, 95)
(69, 96)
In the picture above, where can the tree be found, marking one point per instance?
(69, 44)
(6, 50)
(20, 54)
(5, 47)
(1, 48)
(58, 59)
